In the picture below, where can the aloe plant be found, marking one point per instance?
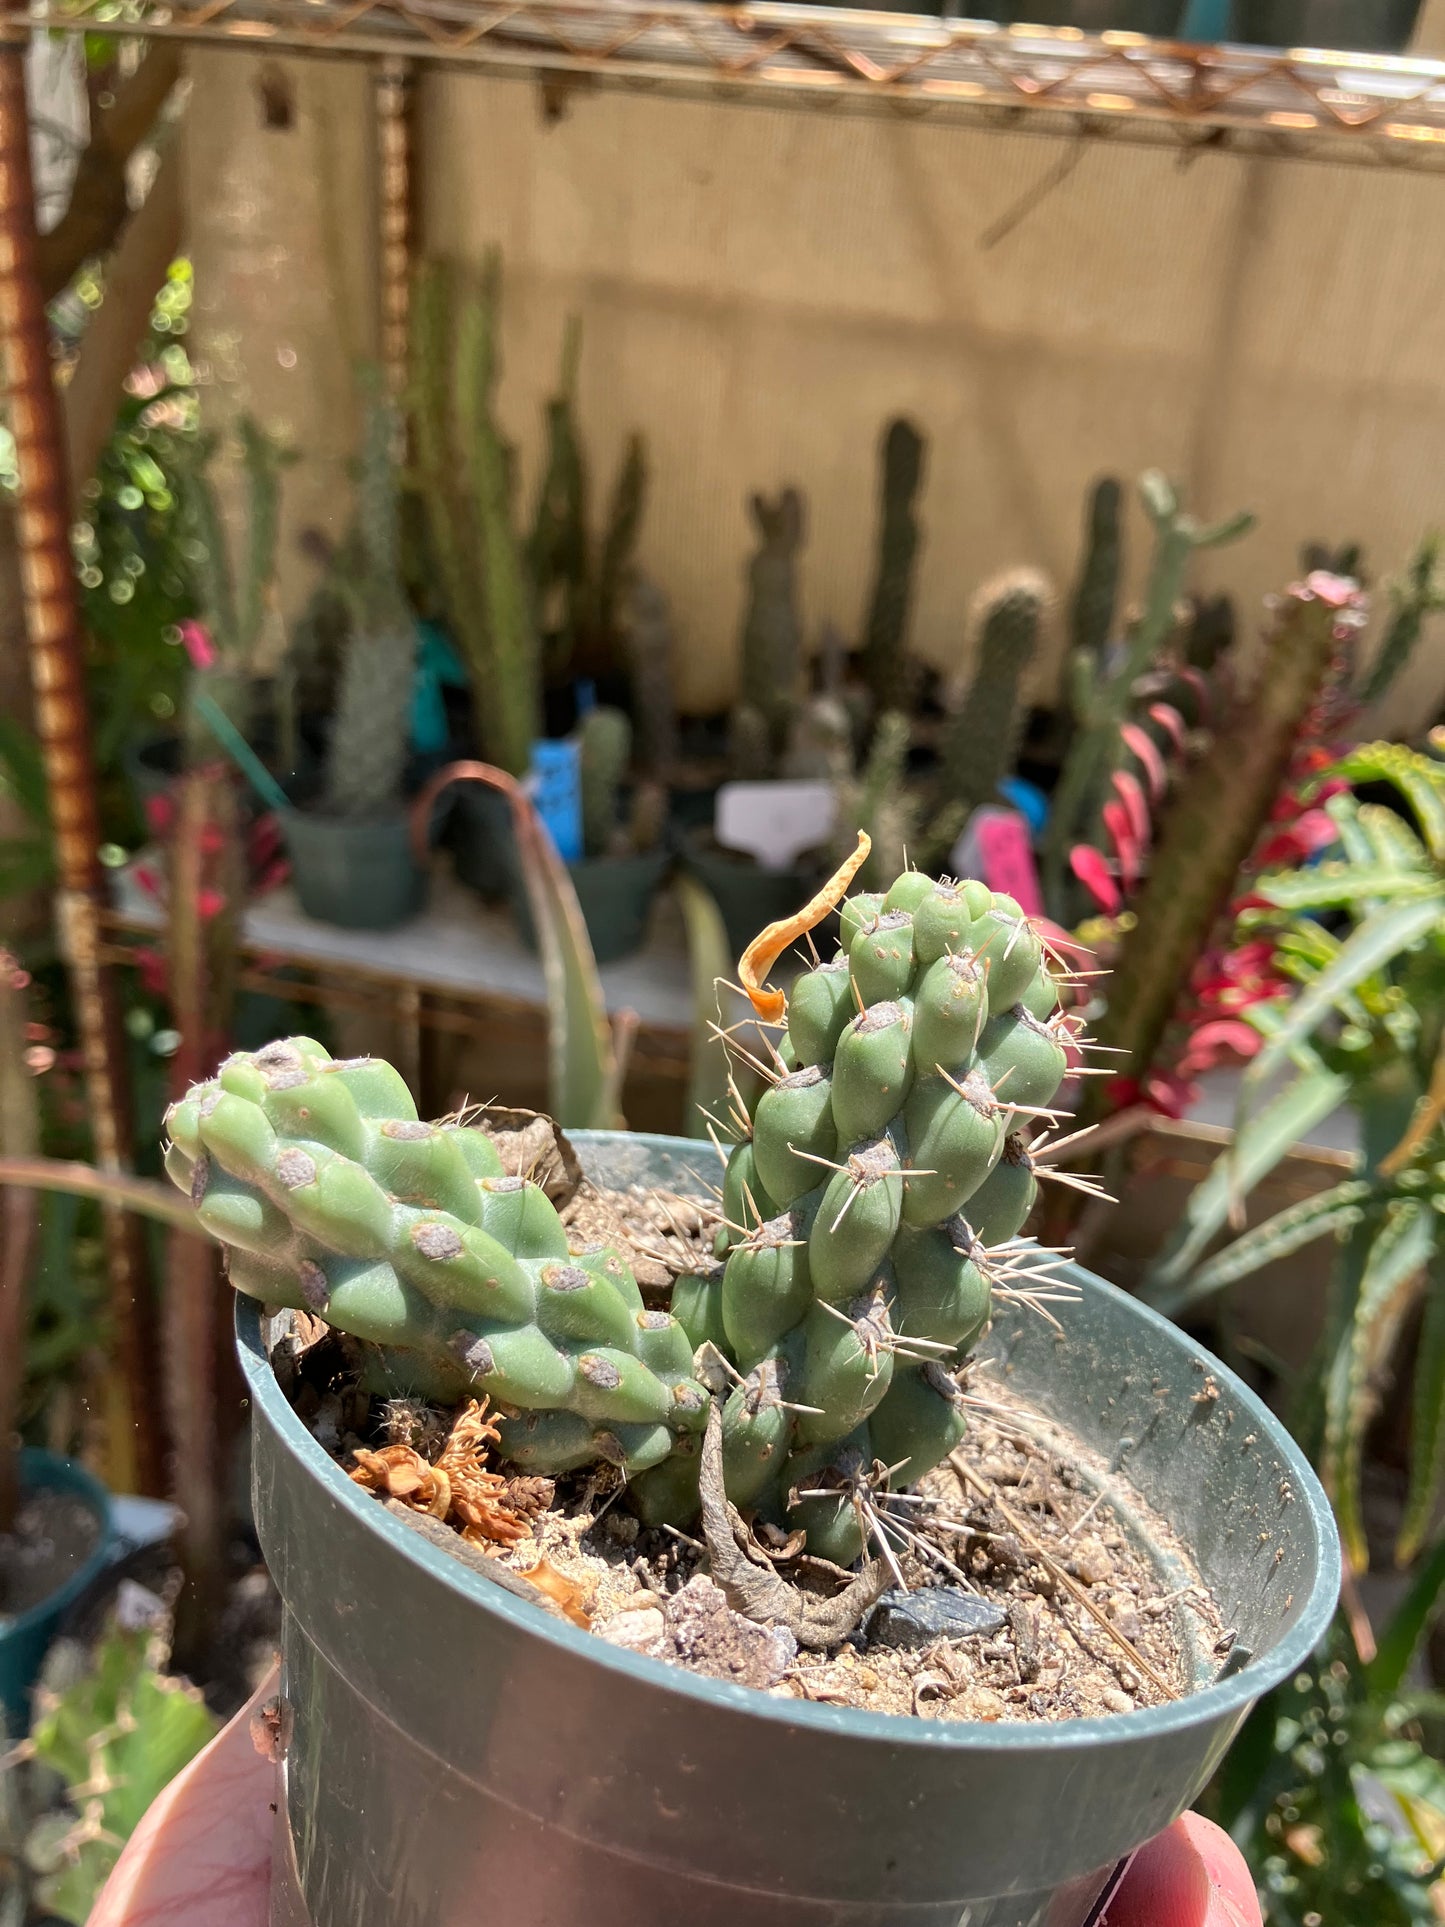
(1365, 1025)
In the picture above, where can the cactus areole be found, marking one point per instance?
(868, 1213)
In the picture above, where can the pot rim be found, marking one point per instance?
(38, 1469)
(1208, 1705)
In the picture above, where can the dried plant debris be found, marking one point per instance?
(660, 1235)
(458, 1487)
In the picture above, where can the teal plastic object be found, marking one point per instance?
(459, 1756)
(25, 1639)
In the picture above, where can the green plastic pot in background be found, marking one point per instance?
(358, 873)
(748, 896)
(26, 1638)
(1355, 26)
(501, 1752)
(1161, 18)
(614, 894)
(478, 832)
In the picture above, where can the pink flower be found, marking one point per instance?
(1093, 872)
(159, 812)
(152, 967)
(198, 645)
(210, 903)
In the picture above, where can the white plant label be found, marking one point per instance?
(774, 822)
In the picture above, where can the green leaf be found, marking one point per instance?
(1287, 1231)
(1418, 778)
(1258, 1147)
(1399, 1251)
(1374, 944)
(1427, 1437)
(1385, 1674)
(1334, 886)
(1390, 837)
(710, 959)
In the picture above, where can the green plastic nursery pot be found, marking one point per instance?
(26, 1638)
(458, 1757)
(614, 894)
(355, 872)
(748, 896)
(1159, 17)
(1363, 26)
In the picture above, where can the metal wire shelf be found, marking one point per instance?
(1311, 104)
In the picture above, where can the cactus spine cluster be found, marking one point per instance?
(886, 667)
(369, 737)
(331, 1197)
(984, 732)
(877, 1173)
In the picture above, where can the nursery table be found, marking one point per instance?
(458, 969)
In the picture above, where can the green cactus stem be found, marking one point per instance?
(1096, 595)
(367, 752)
(889, 1162)
(1420, 594)
(1217, 816)
(463, 473)
(647, 628)
(983, 735)
(606, 751)
(330, 1196)
(772, 642)
(886, 668)
(1101, 694)
(557, 546)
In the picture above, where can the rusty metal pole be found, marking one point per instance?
(52, 620)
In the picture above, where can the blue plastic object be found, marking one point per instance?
(25, 1639)
(557, 792)
(1028, 799)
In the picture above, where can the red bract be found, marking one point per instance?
(1145, 751)
(1130, 792)
(1089, 866)
(1121, 835)
(1168, 718)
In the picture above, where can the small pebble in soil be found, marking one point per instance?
(915, 1619)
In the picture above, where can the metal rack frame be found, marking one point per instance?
(1300, 103)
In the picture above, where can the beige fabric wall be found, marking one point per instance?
(281, 227)
(761, 290)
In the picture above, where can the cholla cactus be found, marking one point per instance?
(331, 1197)
(367, 753)
(606, 751)
(874, 1177)
(984, 731)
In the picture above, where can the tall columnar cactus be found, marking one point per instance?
(1096, 596)
(1420, 593)
(1101, 694)
(557, 546)
(606, 751)
(463, 472)
(881, 1171)
(772, 643)
(617, 557)
(885, 640)
(984, 732)
(367, 753)
(331, 1197)
(647, 628)
(1220, 810)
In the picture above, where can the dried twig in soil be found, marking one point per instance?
(1051, 1565)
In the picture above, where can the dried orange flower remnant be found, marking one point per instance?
(564, 1592)
(458, 1488)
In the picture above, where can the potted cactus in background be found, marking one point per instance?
(350, 852)
(780, 1402)
(624, 851)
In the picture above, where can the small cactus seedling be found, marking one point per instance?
(871, 1208)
